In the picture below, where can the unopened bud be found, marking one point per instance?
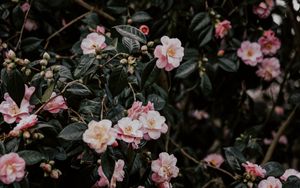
(129, 21)
(51, 162)
(49, 74)
(46, 56)
(26, 61)
(26, 134)
(27, 72)
(131, 60)
(150, 43)
(46, 167)
(55, 174)
(108, 34)
(56, 68)
(11, 55)
(43, 62)
(144, 48)
(11, 66)
(221, 53)
(123, 61)
(42, 73)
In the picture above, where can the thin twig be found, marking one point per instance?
(282, 128)
(132, 90)
(102, 107)
(64, 27)
(78, 115)
(91, 8)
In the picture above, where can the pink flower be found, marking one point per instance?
(11, 111)
(25, 6)
(30, 25)
(270, 182)
(12, 168)
(26, 123)
(222, 28)
(169, 54)
(118, 175)
(269, 69)
(100, 29)
(129, 131)
(263, 9)
(99, 135)
(56, 104)
(200, 114)
(288, 173)
(137, 109)
(254, 169)
(282, 139)
(153, 125)
(269, 43)
(250, 53)
(164, 168)
(144, 29)
(214, 159)
(93, 43)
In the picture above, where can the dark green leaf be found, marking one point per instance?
(108, 163)
(31, 157)
(197, 19)
(228, 65)
(30, 44)
(234, 158)
(185, 69)
(131, 44)
(2, 148)
(65, 72)
(73, 131)
(86, 62)
(131, 32)
(117, 80)
(201, 23)
(12, 145)
(47, 94)
(17, 17)
(159, 102)
(15, 86)
(150, 74)
(205, 84)
(273, 169)
(292, 182)
(79, 89)
(207, 37)
(141, 17)
(295, 97)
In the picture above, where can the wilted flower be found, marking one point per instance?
(153, 125)
(12, 168)
(169, 54)
(164, 168)
(269, 69)
(270, 182)
(269, 43)
(56, 104)
(250, 53)
(93, 43)
(254, 169)
(288, 173)
(222, 28)
(118, 175)
(99, 135)
(263, 9)
(214, 159)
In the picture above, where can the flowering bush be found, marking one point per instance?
(144, 94)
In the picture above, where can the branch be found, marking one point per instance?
(273, 145)
(91, 8)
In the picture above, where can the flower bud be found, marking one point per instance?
(43, 62)
(27, 72)
(4, 45)
(11, 66)
(11, 55)
(108, 34)
(46, 167)
(150, 43)
(129, 21)
(123, 61)
(42, 73)
(49, 74)
(26, 61)
(144, 48)
(131, 60)
(26, 134)
(51, 162)
(56, 68)
(55, 174)
(46, 56)
(221, 53)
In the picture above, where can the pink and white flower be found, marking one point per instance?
(93, 43)
(12, 168)
(270, 182)
(100, 30)
(222, 28)
(269, 43)
(153, 125)
(129, 131)
(250, 53)
(288, 173)
(263, 9)
(164, 168)
(269, 69)
(254, 169)
(118, 175)
(200, 114)
(56, 104)
(214, 159)
(99, 135)
(24, 124)
(137, 109)
(169, 54)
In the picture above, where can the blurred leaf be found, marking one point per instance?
(85, 63)
(18, 17)
(141, 17)
(150, 73)
(15, 86)
(273, 169)
(131, 44)
(47, 94)
(65, 72)
(205, 84)
(234, 158)
(200, 21)
(186, 68)
(31, 157)
(73, 131)
(30, 44)
(228, 65)
(12, 145)
(159, 102)
(131, 32)
(292, 182)
(117, 80)
(295, 97)
(79, 89)
(207, 37)
(2, 148)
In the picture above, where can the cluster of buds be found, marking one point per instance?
(44, 61)
(29, 137)
(11, 61)
(201, 65)
(131, 62)
(49, 170)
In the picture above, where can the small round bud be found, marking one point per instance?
(11, 55)
(4, 45)
(42, 73)
(108, 34)
(46, 167)
(221, 53)
(43, 62)
(123, 61)
(52, 162)
(46, 56)
(23, 69)
(40, 136)
(35, 136)
(19, 61)
(49, 74)
(150, 43)
(144, 48)
(129, 21)
(26, 61)
(26, 134)
(55, 174)
(11, 66)
(131, 60)
(99, 56)
(56, 68)
(27, 72)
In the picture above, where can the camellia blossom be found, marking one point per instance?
(263, 9)
(12, 168)
(169, 54)
(164, 168)
(288, 173)
(56, 104)
(11, 111)
(269, 69)
(144, 29)
(222, 28)
(214, 159)
(250, 53)
(99, 135)
(153, 125)
(137, 109)
(269, 43)
(25, 123)
(254, 169)
(129, 131)
(270, 182)
(118, 175)
(93, 43)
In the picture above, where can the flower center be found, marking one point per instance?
(269, 46)
(14, 109)
(100, 135)
(171, 52)
(128, 129)
(151, 123)
(167, 170)
(250, 53)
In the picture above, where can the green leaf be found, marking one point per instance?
(294, 97)
(73, 131)
(31, 157)
(131, 44)
(200, 24)
(117, 80)
(64, 72)
(47, 94)
(150, 74)
(159, 102)
(131, 32)
(186, 69)
(207, 37)
(197, 19)
(205, 84)
(86, 62)
(228, 65)
(234, 158)
(12, 145)
(79, 89)
(15, 86)
(141, 17)
(17, 17)
(108, 163)
(292, 182)
(273, 169)
(2, 148)
(30, 44)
